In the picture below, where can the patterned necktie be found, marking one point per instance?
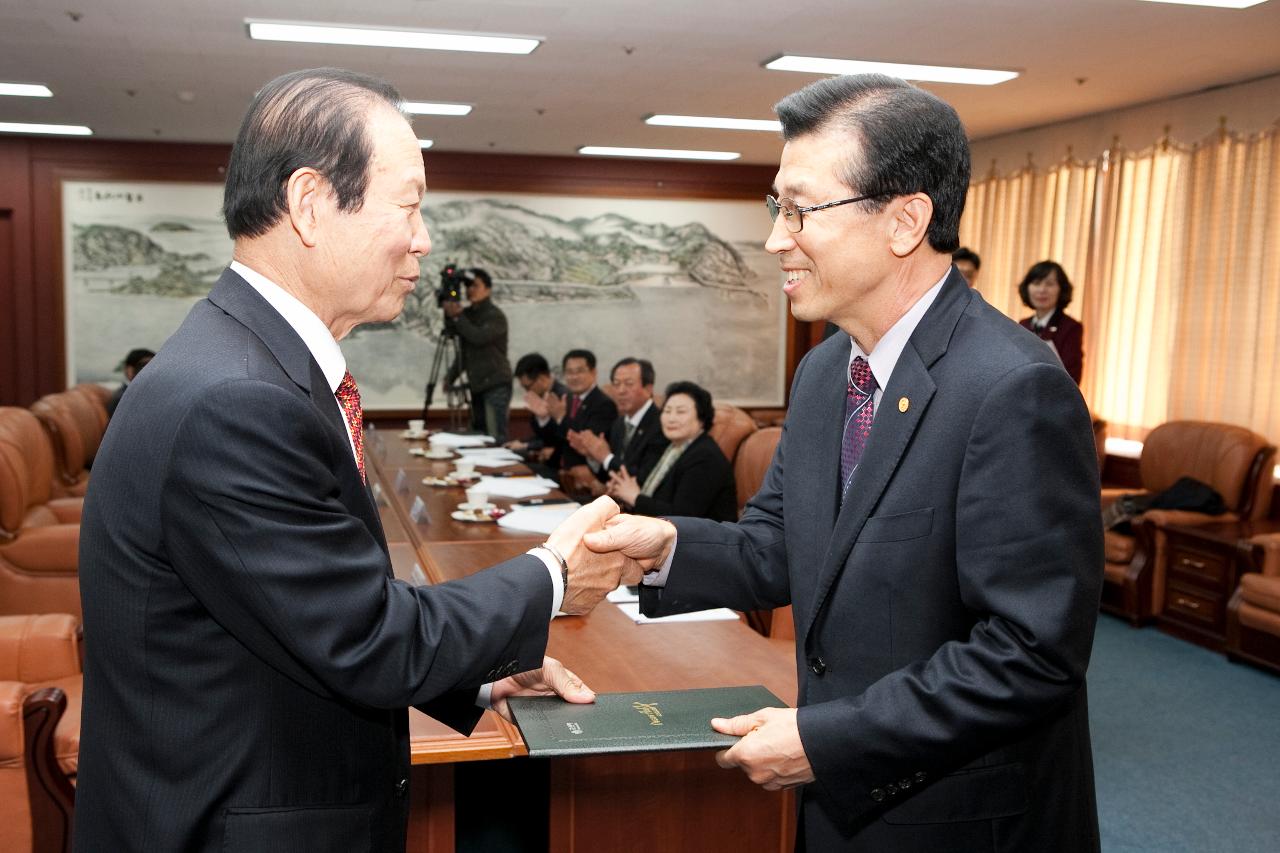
(349, 399)
(574, 405)
(858, 413)
(628, 432)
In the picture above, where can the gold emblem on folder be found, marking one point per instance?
(903, 404)
(650, 710)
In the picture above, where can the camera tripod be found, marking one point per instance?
(458, 394)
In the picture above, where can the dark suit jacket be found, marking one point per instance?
(699, 485)
(945, 615)
(482, 329)
(549, 434)
(1067, 335)
(642, 452)
(596, 413)
(249, 656)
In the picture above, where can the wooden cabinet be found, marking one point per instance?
(1202, 569)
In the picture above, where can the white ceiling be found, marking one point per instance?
(606, 64)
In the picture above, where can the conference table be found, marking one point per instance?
(658, 801)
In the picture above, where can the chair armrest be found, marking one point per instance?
(1270, 545)
(54, 548)
(11, 695)
(67, 510)
(39, 647)
(1162, 517)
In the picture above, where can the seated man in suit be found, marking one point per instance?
(253, 655)
(534, 375)
(586, 409)
(635, 439)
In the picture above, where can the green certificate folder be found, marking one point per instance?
(635, 722)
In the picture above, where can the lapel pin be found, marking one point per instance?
(903, 404)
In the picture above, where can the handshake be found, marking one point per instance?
(604, 549)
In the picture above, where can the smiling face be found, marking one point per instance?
(840, 254)
(368, 258)
(680, 419)
(629, 392)
(1044, 293)
(578, 375)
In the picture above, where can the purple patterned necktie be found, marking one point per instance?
(858, 413)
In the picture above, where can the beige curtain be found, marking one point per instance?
(1175, 256)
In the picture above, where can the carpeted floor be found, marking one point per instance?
(1186, 746)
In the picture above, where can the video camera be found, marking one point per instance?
(453, 282)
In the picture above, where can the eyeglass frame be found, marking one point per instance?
(776, 207)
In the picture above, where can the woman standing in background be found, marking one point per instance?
(1046, 290)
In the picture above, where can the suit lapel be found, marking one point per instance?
(891, 433)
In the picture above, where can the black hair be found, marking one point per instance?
(532, 365)
(481, 275)
(313, 118)
(1039, 271)
(585, 354)
(647, 374)
(910, 141)
(701, 397)
(964, 253)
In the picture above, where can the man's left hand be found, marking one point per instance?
(770, 752)
(553, 679)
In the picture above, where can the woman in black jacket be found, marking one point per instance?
(693, 477)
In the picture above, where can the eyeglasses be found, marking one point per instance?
(795, 215)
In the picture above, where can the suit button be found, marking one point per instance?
(920, 777)
(877, 795)
(402, 787)
(817, 665)
(891, 789)
(904, 784)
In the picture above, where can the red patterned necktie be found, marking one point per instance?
(859, 410)
(349, 399)
(574, 405)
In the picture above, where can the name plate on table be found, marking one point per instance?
(651, 721)
(402, 480)
(418, 511)
(418, 575)
(376, 491)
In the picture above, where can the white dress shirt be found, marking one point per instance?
(634, 420)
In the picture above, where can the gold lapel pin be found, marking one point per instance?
(903, 404)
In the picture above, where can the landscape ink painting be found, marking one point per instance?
(684, 283)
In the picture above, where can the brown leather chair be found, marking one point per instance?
(752, 461)
(1253, 614)
(1235, 461)
(730, 427)
(66, 427)
(40, 690)
(39, 534)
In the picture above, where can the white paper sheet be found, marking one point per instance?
(622, 595)
(537, 519)
(719, 614)
(516, 487)
(453, 440)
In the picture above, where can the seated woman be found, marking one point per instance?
(1046, 290)
(692, 477)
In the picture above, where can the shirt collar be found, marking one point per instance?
(884, 357)
(314, 333)
(639, 414)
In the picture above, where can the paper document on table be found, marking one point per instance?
(453, 439)
(486, 457)
(719, 614)
(624, 594)
(538, 519)
(515, 487)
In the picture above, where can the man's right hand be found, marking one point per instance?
(557, 406)
(535, 404)
(644, 542)
(592, 574)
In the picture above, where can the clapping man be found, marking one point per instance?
(635, 439)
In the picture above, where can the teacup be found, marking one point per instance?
(465, 467)
(477, 497)
(417, 426)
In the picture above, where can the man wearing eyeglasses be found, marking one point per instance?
(931, 514)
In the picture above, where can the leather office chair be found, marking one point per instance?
(730, 427)
(1253, 614)
(39, 534)
(62, 423)
(40, 690)
(752, 461)
(1235, 461)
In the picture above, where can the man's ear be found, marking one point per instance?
(910, 223)
(305, 193)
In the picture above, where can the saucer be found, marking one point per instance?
(432, 454)
(470, 507)
(461, 515)
(415, 435)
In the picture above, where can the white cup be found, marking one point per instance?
(417, 425)
(465, 467)
(477, 497)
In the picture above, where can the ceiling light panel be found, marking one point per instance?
(1221, 4)
(662, 153)
(922, 73)
(428, 108)
(55, 129)
(385, 37)
(424, 144)
(25, 90)
(715, 123)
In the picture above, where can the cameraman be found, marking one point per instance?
(482, 332)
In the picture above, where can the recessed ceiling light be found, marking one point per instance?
(424, 144)
(57, 129)
(665, 153)
(384, 37)
(1223, 4)
(717, 123)
(428, 108)
(25, 90)
(928, 73)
